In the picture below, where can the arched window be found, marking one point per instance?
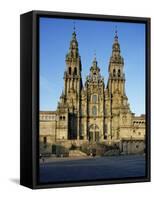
(75, 71)
(114, 72)
(94, 111)
(119, 73)
(94, 98)
(70, 70)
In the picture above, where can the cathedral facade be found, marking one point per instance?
(92, 112)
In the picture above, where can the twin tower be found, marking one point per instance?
(92, 112)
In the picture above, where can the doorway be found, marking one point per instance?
(93, 133)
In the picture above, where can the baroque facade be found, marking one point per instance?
(92, 112)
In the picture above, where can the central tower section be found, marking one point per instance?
(93, 105)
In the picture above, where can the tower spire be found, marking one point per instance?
(73, 49)
(116, 45)
(94, 64)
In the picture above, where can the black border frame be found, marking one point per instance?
(29, 97)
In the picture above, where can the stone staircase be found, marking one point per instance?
(77, 153)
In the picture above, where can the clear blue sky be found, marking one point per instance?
(55, 36)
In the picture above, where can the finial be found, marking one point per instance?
(116, 30)
(95, 55)
(74, 33)
(94, 61)
(74, 28)
(116, 33)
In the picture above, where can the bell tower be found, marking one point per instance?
(116, 81)
(115, 97)
(72, 87)
(72, 75)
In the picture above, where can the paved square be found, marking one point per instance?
(93, 168)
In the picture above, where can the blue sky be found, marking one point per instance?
(92, 36)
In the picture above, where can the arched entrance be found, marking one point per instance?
(93, 133)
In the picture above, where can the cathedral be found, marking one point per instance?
(92, 112)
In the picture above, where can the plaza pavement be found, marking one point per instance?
(76, 169)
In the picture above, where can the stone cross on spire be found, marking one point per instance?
(94, 61)
(74, 32)
(116, 34)
(116, 45)
(95, 55)
(74, 28)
